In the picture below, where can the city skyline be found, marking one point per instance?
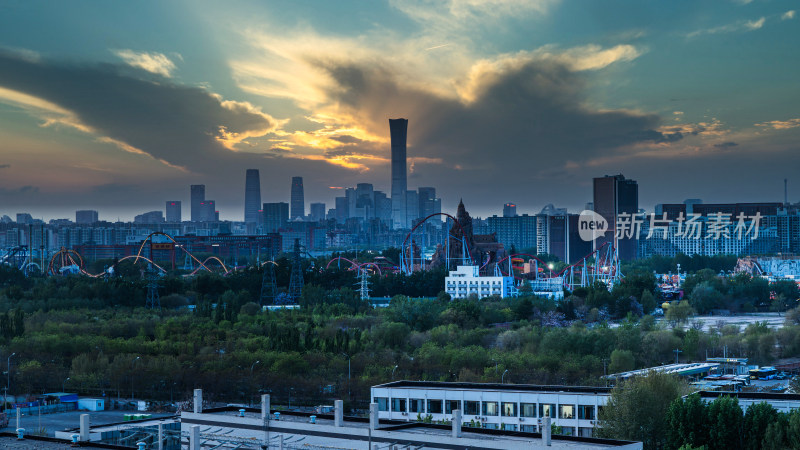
(536, 97)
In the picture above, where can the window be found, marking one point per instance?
(547, 410)
(399, 405)
(416, 405)
(451, 405)
(585, 432)
(527, 409)
(566, 412)
(568, 431)
(434, 406)
(586, 412)
(528, 428)
(509, 427)
(490, 426)
(509, 409)
(490, 408)
(471, 407)
(383, 403)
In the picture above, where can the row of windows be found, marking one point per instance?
(476, 408)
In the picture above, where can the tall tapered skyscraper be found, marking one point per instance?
(298, 204)
(252, 196)
(398, 129)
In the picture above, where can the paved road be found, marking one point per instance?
(71, 419)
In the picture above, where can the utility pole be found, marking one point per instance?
(677, 352)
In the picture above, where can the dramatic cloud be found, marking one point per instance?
(515, 116)
(5, 166)
(157, 63)
(726, 145)
(788, 15)
(182, 126)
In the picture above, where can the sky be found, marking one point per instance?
(120, 106)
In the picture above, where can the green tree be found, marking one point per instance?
(621, 361)
(637, 408)
(724, 424)
(679, 312)
(687, 423)
(755, 422)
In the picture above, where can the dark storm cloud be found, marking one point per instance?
(175, 123)
(726, 145)
(5, 166)
(530, 115)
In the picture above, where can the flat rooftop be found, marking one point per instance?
(494, 387)
(292, 424)
(10, 441)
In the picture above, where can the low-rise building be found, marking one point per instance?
(511, 407)
(466, 280)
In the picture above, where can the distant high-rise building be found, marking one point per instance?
(383, 207)
(208, 211)
(398, 130)
(86, 216)
(342, 209)
(412, 206)
(24, 219)
(615, 195)
(365, 201)
(317, 211)
(174, 211)
(149, 217)
(252, 196)
(557, 234)
(298, 198)
(275, 216)
(198, 196)
(509, 210)
(427, 201)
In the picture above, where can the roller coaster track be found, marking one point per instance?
(68, 257)
(354, 265)
(405, 266)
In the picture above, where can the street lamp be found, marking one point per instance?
(63, 389)
(502, 378)
(8, 368)
(132, 363)
(395, 368)
(348, 373)
(251, 368)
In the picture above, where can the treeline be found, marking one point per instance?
(659, 411)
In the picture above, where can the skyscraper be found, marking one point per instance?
(86, 216)
(198, 196)
(398, 130)
(509, 210)
(317, 212)
(252, 196)
(275, 216)
(174, 211)
(614, 195)
(298, 207)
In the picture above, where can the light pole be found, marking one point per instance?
(251, 369)
(132, 363)
(348, 374)
(63, 383)
(395, 368)
(8, 368)
(502, 378)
